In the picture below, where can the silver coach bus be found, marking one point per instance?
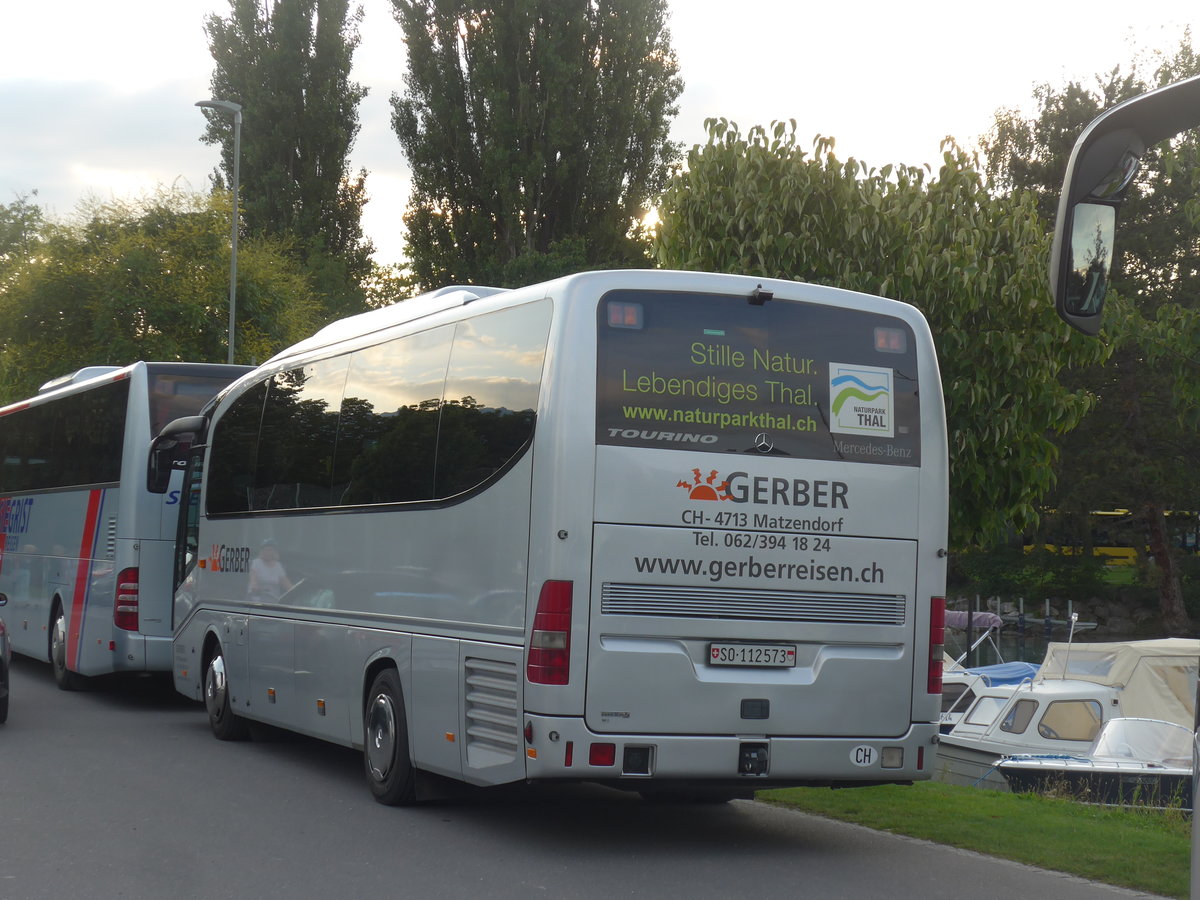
(85, 548)
(677, 532)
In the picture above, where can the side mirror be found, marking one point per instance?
(168, 451)
(1103, 163)
(1087, 267)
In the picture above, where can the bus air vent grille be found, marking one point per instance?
(493, 716)
(110, 544)
(677, 601)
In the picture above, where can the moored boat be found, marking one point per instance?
(1061, 710)
(1133, 761)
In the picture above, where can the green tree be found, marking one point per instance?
(288, 63)
(145, 280)
(972, 263)
(533, 128)
(1146, 416)
(20, 223)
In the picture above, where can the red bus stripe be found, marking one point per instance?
(83, 572)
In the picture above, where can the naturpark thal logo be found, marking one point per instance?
(860, 400)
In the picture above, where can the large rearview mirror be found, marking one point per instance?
(1093, 228)
(168, 451)
(1103, 164)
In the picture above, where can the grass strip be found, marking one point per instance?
(1147, 850)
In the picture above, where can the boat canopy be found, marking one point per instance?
(1146, 740)
(1005, 673)
(1157, 679)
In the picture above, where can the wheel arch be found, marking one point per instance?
(56, 604)
(379, 663)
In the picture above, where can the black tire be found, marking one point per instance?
(226, 726)
(63, 677)
(386, 761)
(4, 681)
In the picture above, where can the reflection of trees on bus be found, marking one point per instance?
(428, 450)
(309, 455)
(422, 417)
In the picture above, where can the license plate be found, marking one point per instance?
(773, 655)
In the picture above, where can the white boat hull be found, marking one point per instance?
(968, 766)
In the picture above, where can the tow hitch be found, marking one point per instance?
(752, 759)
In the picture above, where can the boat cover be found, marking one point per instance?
(1157, 678)
(1005, 673)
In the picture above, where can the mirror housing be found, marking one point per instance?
(1103, 163)
(168, 451)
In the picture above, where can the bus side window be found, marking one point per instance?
(234, 448)
(298, 435)
(491, 395)
(389, 420)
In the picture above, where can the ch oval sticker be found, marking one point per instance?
(864, 756)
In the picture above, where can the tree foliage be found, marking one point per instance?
(533, 128)
(287, 62)
(146, 280)
(1145, 421)
(975, 265)
(20, 224)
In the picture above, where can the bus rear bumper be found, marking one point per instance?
(132, 652)
(566, 748)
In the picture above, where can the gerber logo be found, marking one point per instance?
(703, 487)
(229, 559)
(761, 490)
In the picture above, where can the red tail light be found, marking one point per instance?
(937, 640)
(550, 645)
(125, 608)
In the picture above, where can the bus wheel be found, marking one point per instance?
(63, 677)
(385, 754)
(225, 725)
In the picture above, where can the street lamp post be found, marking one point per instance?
(235, 111)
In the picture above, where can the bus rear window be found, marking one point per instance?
(173, 395)
(783, 378)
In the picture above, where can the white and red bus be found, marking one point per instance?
(674, 532)
(85, 547)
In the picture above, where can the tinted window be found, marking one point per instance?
(234, 449)
(782, 377)
(176, 394)
(423, 417)
(298, 436)
(68, 442)
(491, 395)
(388, 436)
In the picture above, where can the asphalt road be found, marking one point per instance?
(121, 791)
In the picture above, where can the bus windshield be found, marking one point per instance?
(781, 378)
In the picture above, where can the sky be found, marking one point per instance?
(97, 99)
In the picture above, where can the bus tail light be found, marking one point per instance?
(550, 645)
(937, 640)
(125, 609)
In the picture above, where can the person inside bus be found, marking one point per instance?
(268, 578)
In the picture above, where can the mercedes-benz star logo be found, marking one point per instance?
(763, 443)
